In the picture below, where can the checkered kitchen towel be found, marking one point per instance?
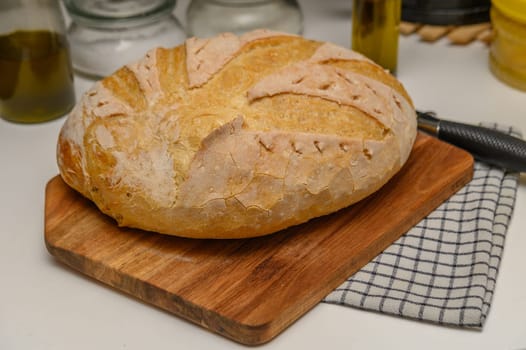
(444, 269)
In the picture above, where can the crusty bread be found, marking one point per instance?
(233, 137)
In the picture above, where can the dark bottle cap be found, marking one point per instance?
(446, 12)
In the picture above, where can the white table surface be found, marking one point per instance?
(44, 305)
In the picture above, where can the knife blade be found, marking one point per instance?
(488, 145)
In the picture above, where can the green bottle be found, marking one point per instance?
(375, 29)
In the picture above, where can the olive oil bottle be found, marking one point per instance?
(375, 28)
(36, 77)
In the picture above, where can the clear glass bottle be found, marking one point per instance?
(375, 30)
(206, 18)
(36, 79)
(107, 34)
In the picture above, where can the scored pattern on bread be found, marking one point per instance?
(234, 137)
(205, 57)
(338, 85)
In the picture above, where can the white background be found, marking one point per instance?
(44, 305)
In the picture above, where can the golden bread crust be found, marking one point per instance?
(234, 137)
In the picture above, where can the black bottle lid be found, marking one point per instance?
(446, 12)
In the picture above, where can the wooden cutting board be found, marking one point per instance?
(250, 290)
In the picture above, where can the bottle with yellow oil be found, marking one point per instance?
(375, 28)
(507, 58)
(36, 77)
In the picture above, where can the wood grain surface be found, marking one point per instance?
(250, 290)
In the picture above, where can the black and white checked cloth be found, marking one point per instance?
(444, 269)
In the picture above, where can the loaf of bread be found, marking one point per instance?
(236, 136)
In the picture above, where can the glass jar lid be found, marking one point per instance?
(206, 18)
(118, 13)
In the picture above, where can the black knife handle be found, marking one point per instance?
(491, 146)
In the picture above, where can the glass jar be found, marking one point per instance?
(507, 57)
(206, 18)
(36, 79)
(375, 28)
(107, 34)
